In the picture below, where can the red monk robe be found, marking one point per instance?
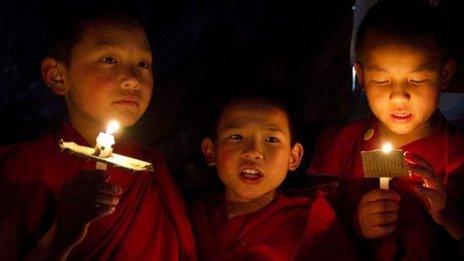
(149, 223)
(285, 229)
(417, 237)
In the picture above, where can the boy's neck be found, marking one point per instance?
(88, 131)
(399, 140)
(236, 208)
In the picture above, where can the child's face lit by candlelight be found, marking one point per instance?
(109, 76)
(252, 151)
(402, 84)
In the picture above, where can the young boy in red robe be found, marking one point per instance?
(402, 66)
(64, 208)
(252, 149)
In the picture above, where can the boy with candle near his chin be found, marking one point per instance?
(252, 148)
(402, 64)
(100, 63)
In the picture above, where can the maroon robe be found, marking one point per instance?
(149, 223)
(417, 237)
(285, 229)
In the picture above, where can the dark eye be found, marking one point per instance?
(108, 60)
(236, 137)
(272, 139)
(145, 65)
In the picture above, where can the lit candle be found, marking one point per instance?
(384, 163)
(105, 142)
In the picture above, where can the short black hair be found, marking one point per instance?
(275, 102)
(406, 21)
(67, 27)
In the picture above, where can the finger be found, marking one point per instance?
(430, 198)
(380, 194)
(89, 177)
(381, 231)
(83, 192)
(99, 187)
(381, 206)
(108, 188)
(92, 214)
(384, 219)
(102, 199)
(430, 179)
(89, 200)
(418, 160)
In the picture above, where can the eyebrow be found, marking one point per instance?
(375, 67)
(424, 67)
(270, 127)
(104, 43)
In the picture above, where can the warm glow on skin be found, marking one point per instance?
(252, 138)
(402, 85)
(109, 77)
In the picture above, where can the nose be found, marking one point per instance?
(253, 150)
(130, 79)
(399, 93)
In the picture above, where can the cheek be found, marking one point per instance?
(93, 77)
(374, 92)
(428, 100)
(376, 99)
(146, 93)
(146, 78)
(279, 158)
(226, 156)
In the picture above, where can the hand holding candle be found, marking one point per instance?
(85, 197)
(377, 213)
(432, 192)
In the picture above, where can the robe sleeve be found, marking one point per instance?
(175, 204)
(324, 237)
(30, 213)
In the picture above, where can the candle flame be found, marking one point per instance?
(113, 126)
(387, 147)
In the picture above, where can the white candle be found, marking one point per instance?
(105, 142)
(385, 181)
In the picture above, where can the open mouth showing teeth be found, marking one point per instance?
(251, 176)
(401, 116)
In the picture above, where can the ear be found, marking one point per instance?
(207, 147)
(295, 157)
(359, 73)
(53, 75)
(447, 73)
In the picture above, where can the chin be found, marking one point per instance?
(251, 196)
(127, 119)
(401, 130)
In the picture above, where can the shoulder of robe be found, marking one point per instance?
(22, 157)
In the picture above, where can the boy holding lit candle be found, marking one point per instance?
(101, 64)
(252, 148)
(402, 64)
